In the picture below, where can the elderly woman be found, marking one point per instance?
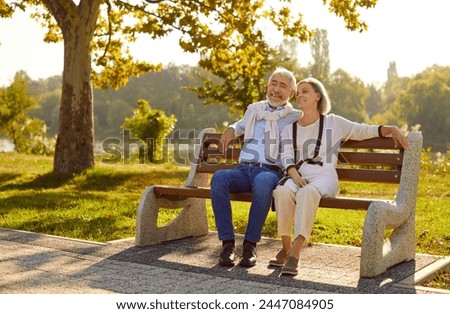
(309, 157)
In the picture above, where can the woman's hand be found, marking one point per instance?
(397, 136)
(300, 181)
(296, 177)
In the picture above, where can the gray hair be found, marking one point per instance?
(285, 73)
(324, 104)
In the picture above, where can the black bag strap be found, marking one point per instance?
(294, 137)
(319, 138)
(316, 149)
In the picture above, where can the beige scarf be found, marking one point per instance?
(271, 132)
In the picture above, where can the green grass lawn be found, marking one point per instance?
(101, 204)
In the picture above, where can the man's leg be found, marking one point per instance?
(223, 183)
(263, 182)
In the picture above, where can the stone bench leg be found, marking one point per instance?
(376, 254)
(192, 221)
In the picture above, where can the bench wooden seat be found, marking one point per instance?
(375, 160)
(182, 193)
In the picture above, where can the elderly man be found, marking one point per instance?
(259, 169)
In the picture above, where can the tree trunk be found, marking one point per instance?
(74, 151)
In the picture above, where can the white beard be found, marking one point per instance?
(273, 104)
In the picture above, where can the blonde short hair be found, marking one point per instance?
(324, 104)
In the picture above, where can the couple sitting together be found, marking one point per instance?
(281, 139)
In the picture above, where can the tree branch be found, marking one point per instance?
(59, 9)
(70, 8)
(140, 8)
(154, 1)
(110, 31)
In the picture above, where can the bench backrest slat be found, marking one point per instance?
(372, 143)
(372, 160)
(369, 175)
(367, 159)
(210, 167)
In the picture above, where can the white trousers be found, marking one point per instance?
(296, 210)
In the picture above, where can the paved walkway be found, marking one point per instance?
(33, 263)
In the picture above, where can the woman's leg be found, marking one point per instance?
(285, 207)
(307, 202)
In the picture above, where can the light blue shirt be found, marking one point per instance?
(253, 150)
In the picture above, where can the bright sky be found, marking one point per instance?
(413, 33)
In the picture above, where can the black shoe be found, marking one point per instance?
(248, 258)
(228, 255)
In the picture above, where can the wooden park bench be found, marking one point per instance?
(375, 160)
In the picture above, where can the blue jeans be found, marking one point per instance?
(244, 178)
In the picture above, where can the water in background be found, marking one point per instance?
(6, 146)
